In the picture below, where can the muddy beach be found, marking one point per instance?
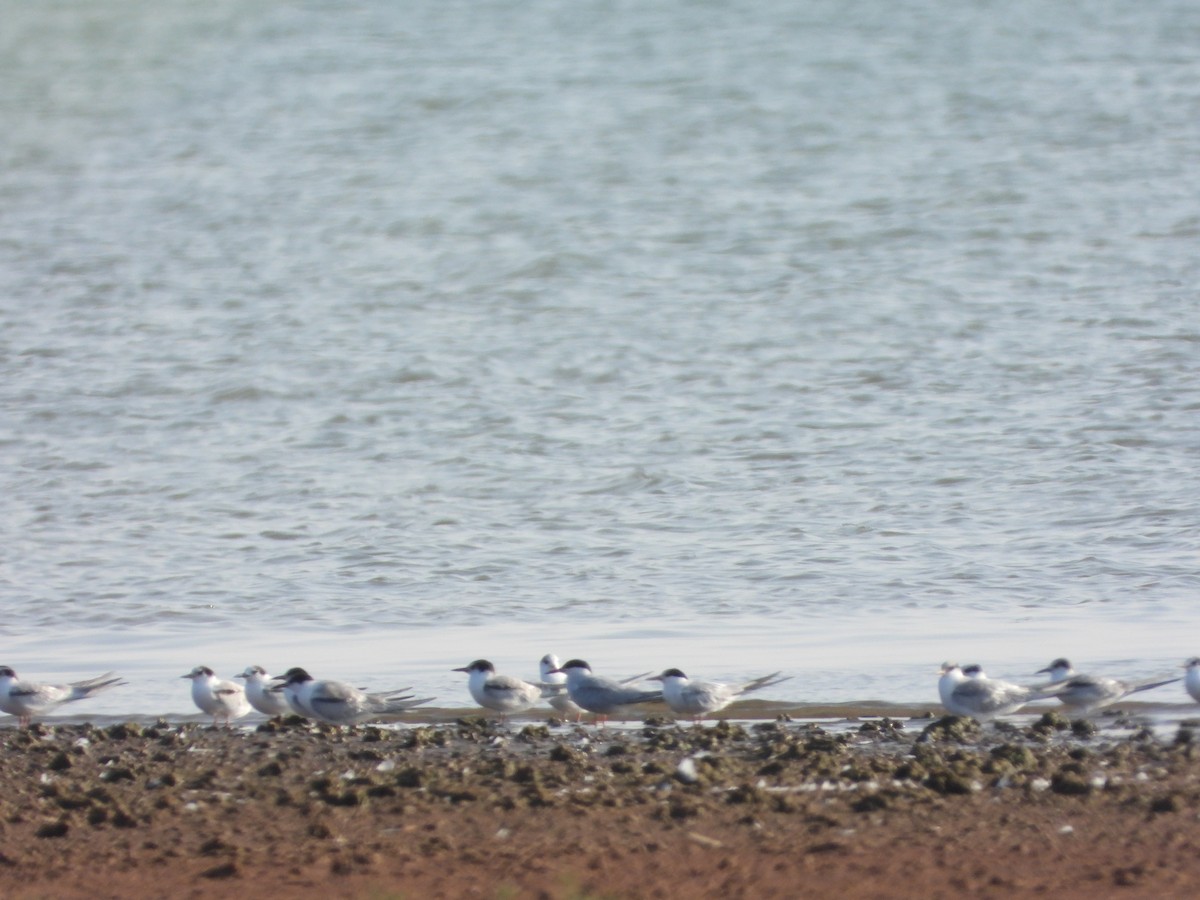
(469, 808)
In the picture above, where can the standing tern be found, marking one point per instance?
(600, 695)
(502, 693)
(25, 699)
(554, 682)
(556, 679)
(1191, 681)
(1087, 692)
(261, 694)
(339, 703)
(219, 699)
(698, 698)
(969, 692)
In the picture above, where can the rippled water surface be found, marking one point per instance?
(730, 336)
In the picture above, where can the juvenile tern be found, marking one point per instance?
(261, 694)
(698, 698)
(556, 679)
(1087, 692)
(339, 703)
(600, 695)
(1191, 681)
(501, 693)
(980, 697)
(25, 699)
(219, 699)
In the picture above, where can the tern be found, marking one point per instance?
(969, 692)
(261, 694)
(1191, 681)
(1088, 692)
(501, 693)
(339, 703)
(600, 695)
(219, 699)
(24, 699)
(698, 698)
(554, 684)
(556, 679)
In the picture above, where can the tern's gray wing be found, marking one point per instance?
(508, 686)
(764, 682)
(1137, 686)
(601, 695)
(705, 696)
(336, 701)
(38, 696)
(986, 698)
(389, 704)
(506, 683)
(1088, 691)
(91, 685)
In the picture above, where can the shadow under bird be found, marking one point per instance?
(969, 692)
(261, 693)
(1087, 692)
(599, 695)
(504, 694)
(697, 699)
(26, 699)
(219, 699)
(339, 703)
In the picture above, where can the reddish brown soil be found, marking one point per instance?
(466, 811)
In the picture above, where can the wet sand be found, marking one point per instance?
(470, 808)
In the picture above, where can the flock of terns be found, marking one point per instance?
(572, 689)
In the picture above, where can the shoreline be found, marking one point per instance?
(879, 807)
(750, 710)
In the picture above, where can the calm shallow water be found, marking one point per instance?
(727, 336)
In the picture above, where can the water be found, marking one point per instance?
(728, 336)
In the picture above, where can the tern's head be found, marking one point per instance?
(1060, 668)
(948, 667)
(575, 666)
(480, 665)
(973, 671)
(252, 671)
(674, 674)
(6, 672)
(1193, 663)
(199, 672)
(295, 675)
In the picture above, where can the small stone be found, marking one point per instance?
(686, 771)
(1082, 728)
(59, 763)
(1166, 804)
(52, 830)
(1070, 784)
(224, 870)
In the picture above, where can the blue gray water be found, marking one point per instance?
(733, 336)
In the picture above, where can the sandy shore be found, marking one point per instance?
(880, 808)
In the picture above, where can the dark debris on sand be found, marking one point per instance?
(222, 804)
